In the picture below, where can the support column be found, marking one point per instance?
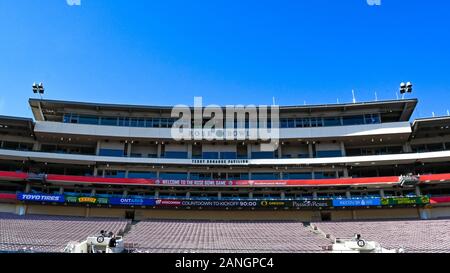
(28, 188)
(93, 192)
(97, 150)
(348, 194)
(418, 192)
(188, 195)
(158, 153)
(249, 151)
(280, 150)
(382, 193)
(345, 172)
(129, 149)
(36, 146)
(125, 193)
(219, 195)
(157, 194)
(95, 171)
(61, 190)
(315, 195)
(310, 150)
(250, 195)
(407, 148)
(283, 195)
(343, 152)
(189, 150)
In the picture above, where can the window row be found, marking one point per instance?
(168, 122)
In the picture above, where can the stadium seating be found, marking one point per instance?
(217, 237)
(35, 233)
(413, 236)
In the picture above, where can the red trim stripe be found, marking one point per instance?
(8, 196)
(15, 176)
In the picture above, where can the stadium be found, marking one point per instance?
(352, 177)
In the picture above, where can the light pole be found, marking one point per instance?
(405, 88)
(38, 89)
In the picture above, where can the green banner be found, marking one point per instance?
(86, 200)
(405, 201)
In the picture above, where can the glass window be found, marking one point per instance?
(173, 175)
(322, 154)
(210, 155)
(133, 122)
(334, 121)
(263, 155)
(325, 175)
(176, 155)
(228, 155)
(353, 120)
(316, 122)
(108, 121)
(372, 119)
(66, 118)
(125, 122)
(291, 123)
(92, 120)
(111, 152)
(141, 123)
(147, 175)
(164, 123)
(201, 176)
(265, 176)
(304, 176)
(115, 174)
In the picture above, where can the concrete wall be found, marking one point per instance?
(303, 216)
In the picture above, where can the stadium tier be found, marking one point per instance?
(304, 163)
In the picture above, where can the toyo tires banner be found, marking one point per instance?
(38, 197)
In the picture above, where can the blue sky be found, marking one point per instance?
(229, 52)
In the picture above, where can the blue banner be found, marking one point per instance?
(132, 201)
(365, 202)
(36, 197)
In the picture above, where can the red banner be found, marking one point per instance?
(8, 196)
(437, 200)
(14, 176)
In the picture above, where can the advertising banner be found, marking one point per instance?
(132, 202)
(205, 183)
(274, 204)
(363, 202)
(405, 201)
(205, 203)
(33, 197)
(307, 204)
(86, 200)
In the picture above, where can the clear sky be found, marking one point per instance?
(228, 51)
